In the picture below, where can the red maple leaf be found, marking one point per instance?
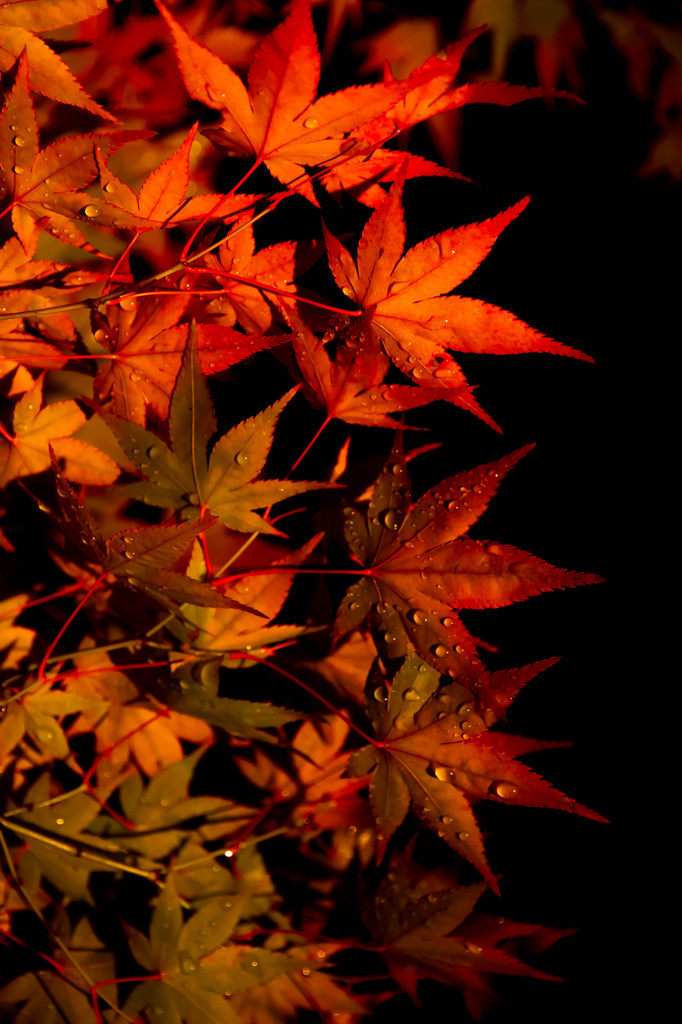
(407, 312)
(421, 567)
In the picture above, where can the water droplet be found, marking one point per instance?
(321, 954)
(44, 735)
(91, 210)
(505, 790)
(443, 773)
(14, 127)
(310, 122)
(187, 963)
(439, 651)
(154, 451)
(492, 549)
(305, 971)
(380, 694)
(347, 291)
(446, 820)
(447, 622)
(410, 694)
(417, 616)
(353, 606)
(471, 947)
(128, 303)
(241, 458)
(466, 708)
(108, 187)
(18, 141)
(432, 897)
(462, 836)
(17, 169)
(390, 519)
(59, 821)
(254, 963)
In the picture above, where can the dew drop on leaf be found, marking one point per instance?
(505, 790)
(128, 303)
(446, 820)
(389, 519)
(462, 836)
(410, 694)
(91, 210)
(18, 141)
(310, 122)
(187, 963)
(241, 458)
(18, 170)
(380, 694)
(447, 622)
(439, 651)
(443, 773)
(417, 616)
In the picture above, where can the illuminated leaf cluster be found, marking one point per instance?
(221, 674)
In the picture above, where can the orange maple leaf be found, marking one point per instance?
(36, 427)
(278, 121)
(45, 186)
(408, 314)
(49, 75)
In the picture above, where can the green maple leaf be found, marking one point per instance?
(181, 476)
(435, 752)
(198, 970)
(140, 558)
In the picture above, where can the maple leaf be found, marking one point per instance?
(161, 199)
(125, 725)
(236, 259)
(278, 121)
(436, 753)
(407, 313)
(49, 75)
(421, 567)
(63, 988)
(347, 386)
(139, 558)
(45, 186)
(553, 26)
(36, 427)
(425, 926)
(145, 345)
(182, 477)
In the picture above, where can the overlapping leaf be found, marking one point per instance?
(426, 927)
(435, 752)
(162, 200)
(36, 427)
(44, 187)
(146, 342)
(278, 120)
(49, 75)
(421, 567)
(140, 558)
(183, 477)
(407, 312)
